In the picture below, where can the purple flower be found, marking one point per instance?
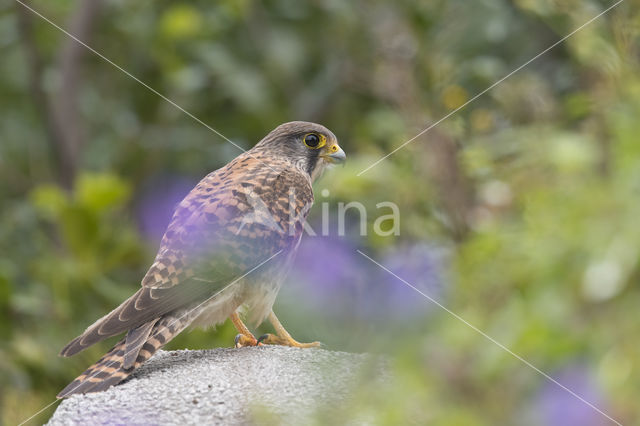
(331, 276)
(327, 273)
(420, 266)
(557, 407)
(157, 202)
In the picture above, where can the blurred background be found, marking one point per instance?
(519, 213)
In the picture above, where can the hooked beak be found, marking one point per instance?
(335, 155)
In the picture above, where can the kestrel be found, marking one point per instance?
(227, 249)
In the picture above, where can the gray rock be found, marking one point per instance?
(221, 386)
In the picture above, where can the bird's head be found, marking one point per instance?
(309, 146)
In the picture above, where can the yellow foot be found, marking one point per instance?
(243, 340)
(272, 339)
(283, 337)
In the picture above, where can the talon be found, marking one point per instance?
(283, 338)
(242, 340)
(262, 338)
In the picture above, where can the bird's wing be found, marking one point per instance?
(227, 225)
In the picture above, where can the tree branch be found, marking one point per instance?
(60, 113)
(40, 99)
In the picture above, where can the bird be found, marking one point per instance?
(226, 251)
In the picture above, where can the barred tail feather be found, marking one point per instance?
(134, 341)
(103, 374)
(111, 369)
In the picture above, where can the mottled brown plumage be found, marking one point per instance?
(229, 245)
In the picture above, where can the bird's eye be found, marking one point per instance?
(313, 140)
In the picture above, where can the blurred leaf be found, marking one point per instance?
(99, 192)
(181, 21)
(49, 199)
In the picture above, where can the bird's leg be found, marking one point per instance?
(245, 337)
(283, 337)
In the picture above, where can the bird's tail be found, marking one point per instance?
(118, 364)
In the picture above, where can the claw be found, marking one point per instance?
(242, 340)
(262, 338)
